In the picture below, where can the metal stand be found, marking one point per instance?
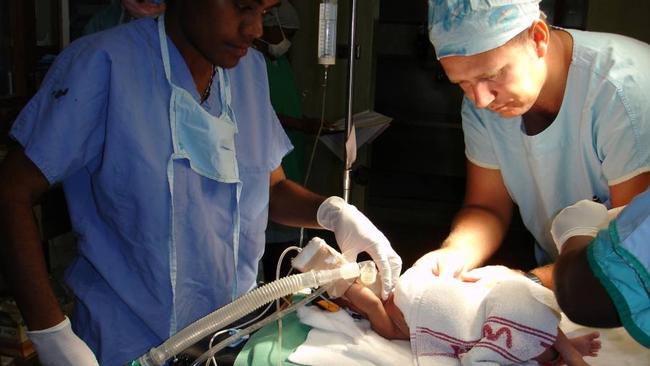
(350, 136)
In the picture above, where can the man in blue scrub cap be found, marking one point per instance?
(602, 276)
(123, 11)
(550, 116)
(164, 140)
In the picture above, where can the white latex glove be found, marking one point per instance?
(59, 346)
(355, 234)
(584, 218)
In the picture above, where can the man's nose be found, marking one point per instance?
(253, 28)
(483, 96)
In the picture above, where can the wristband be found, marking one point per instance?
(533, 277)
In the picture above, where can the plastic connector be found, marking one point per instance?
(368, 273)
(316, 256)
(348, 271)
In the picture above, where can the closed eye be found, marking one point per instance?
(495, 76)
(245, 5)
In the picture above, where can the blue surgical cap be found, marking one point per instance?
(468, 27)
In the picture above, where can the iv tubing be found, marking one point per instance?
(243, 306)
(313, 149)
(320, 130)
(242, 328)
(275, 316)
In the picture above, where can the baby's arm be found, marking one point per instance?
(366, 303)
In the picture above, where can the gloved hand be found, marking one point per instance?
(355, 234)
(59, 346)
(446, 262)
(584, 218)
(489, 274)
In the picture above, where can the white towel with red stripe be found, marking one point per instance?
(502, 319)
(338, 339)
(341, 340)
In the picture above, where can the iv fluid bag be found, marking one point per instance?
(327, 33)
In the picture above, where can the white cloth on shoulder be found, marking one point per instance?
(337, 338)
(500, 320)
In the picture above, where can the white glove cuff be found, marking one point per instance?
(583, 218)
(59, 327)
(578, 231)
(613, 213)
(59, 346)
(329, 211)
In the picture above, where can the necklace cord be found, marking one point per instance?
(206, 93)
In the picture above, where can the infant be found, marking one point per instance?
(499, 318)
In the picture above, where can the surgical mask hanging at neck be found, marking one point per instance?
(279, 49)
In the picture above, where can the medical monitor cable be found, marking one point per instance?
(242, 332)
(275, 316)
(212, 360)
(280, 360)
(313, 149)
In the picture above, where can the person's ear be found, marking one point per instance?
(541, 36)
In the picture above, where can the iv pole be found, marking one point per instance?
(350, 151)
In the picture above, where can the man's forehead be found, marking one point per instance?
(268, 3)
(468, 68)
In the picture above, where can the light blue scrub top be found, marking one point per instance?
(100, 125)
(600, 137)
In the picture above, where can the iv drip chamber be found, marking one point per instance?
(327, 32)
